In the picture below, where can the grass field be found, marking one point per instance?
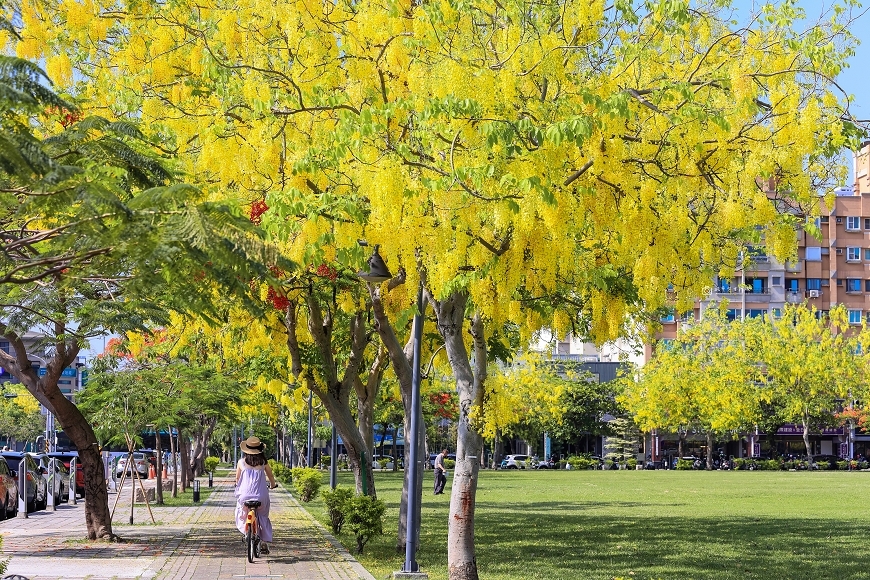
(642, 525)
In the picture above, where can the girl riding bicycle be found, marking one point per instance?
(252, 471)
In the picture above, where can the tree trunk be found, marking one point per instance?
(174, 463)
(335, 396)
(806, 435)
(97, 516)
(401, 359)
(681, 437)
(158, 451)
(184, 460)
(461, 559)
(200, 448)
(709, 450)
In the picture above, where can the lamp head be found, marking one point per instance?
(378, 271)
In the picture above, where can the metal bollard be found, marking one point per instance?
(52, 479)
(195, 491)
(73, 481)
(22, 489)
(210, 474)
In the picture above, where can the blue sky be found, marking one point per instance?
(856, 79)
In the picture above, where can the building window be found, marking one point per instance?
(866, 285)
(724, 286)
(756, 286)
(776, 280)
(825, 219)
(853, 254)
(4, 346)
(854, 317)
(867, 254)
(669, 316)
(867, 223)
(814, 254)
(793, 285)
(814, 283)
(755, 313)
(853, 285)
(839, 282)
(853, 223)
(732, 314)
(776, 312)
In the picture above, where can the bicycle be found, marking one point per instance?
(252, 530)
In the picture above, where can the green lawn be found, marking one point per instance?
(642, 525)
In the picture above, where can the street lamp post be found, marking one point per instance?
(378, 272)
(333, 460)
(309, 458)
(412, 438)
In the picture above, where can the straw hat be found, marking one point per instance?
(252, 445)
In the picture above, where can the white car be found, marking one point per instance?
(139, 460)
(514, 462)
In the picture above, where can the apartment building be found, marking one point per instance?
(829, 270)
(834, 269)
(72, 380)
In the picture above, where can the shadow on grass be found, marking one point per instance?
(595, 545)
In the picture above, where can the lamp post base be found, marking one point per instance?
(410, 576)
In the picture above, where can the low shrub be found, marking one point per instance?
(280, 472)
(770, 465)
(364, 518)
(842, 465)
(307, 482)
(740, 463)
(632, 463)
(685, 464)
(324, 460)
(336, 504)
(211, 464)
(449, 463)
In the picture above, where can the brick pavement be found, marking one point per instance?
(188, 543)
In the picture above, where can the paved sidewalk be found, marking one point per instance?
(190, 543)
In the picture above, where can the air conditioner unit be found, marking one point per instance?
(839, 220)
(839, 251)
(813, 293)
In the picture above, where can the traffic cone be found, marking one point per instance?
(165, 473)
(151, 473)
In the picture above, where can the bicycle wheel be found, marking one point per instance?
(249, 545)
(257, 552)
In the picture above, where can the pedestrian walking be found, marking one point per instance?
(440, 472)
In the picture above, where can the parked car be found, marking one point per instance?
(37, 488)
(139, 461)
(151, 456)
(56, 477)
(514, 462)
(66, 458)
(8, 491)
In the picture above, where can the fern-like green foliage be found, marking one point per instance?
(93, 215)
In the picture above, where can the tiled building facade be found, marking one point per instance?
(830, 270)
